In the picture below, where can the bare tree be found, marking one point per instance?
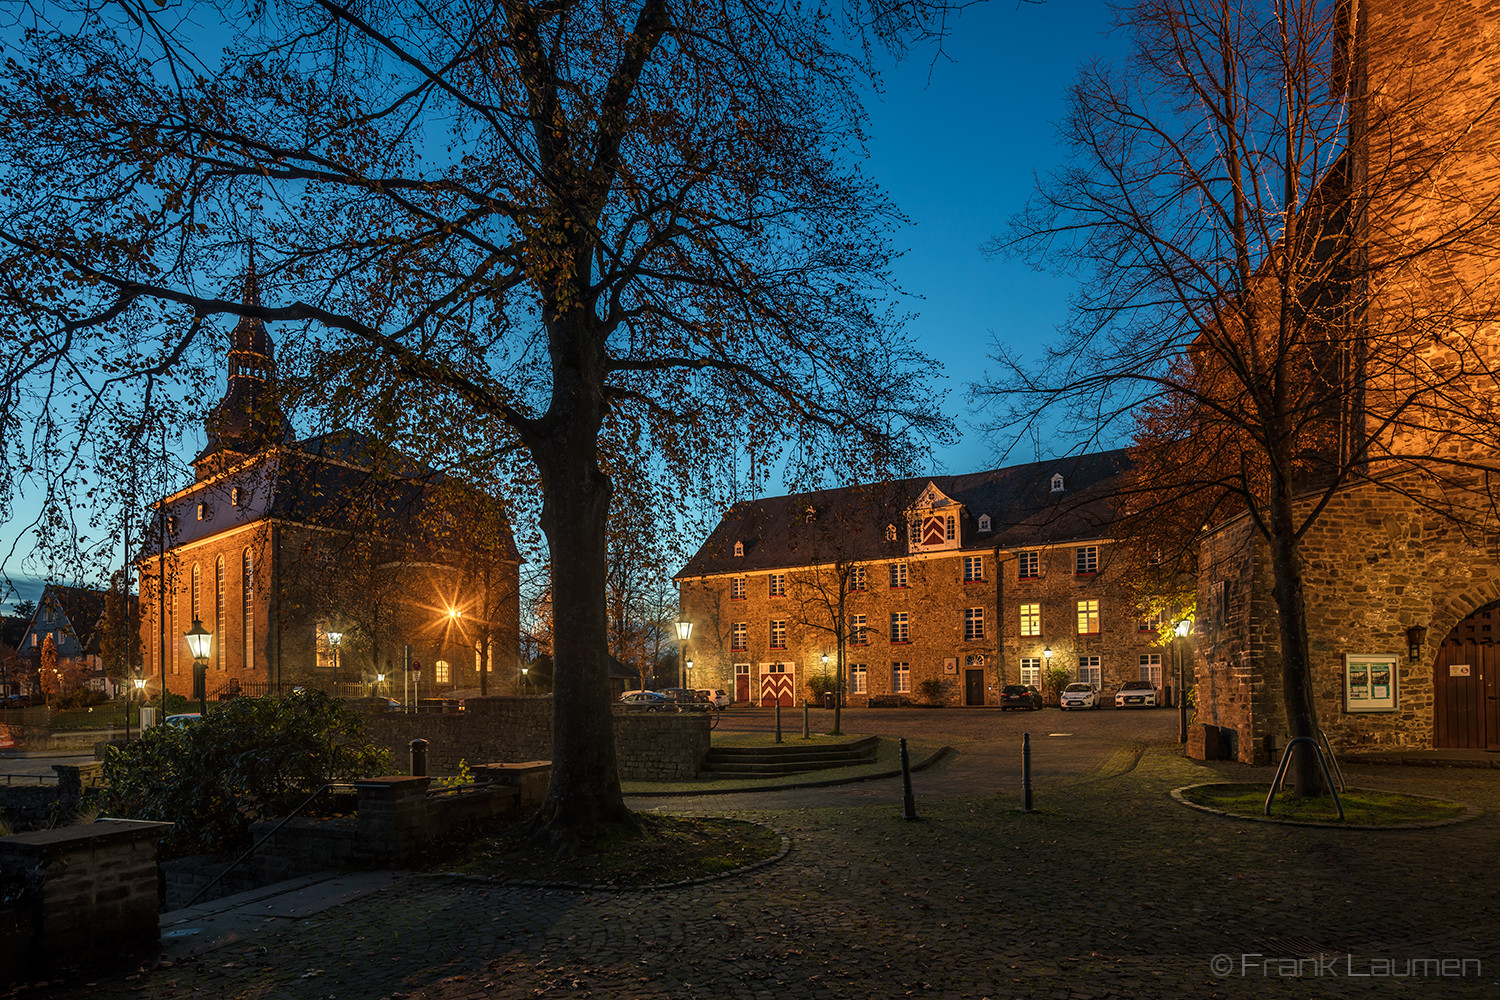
(595, 234)
(1243, 200)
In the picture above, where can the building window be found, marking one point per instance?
(900, 626)
(973, 568)
(739, 636)
(220, 614)
(196, 597)
(1028, 566)
(898, 574)
(890, 532)
(33, 639)
(900, 677)
(858, 679)
(984, 523)
(737, 588)
(859, 634)
(974, 660)
(1031, 619)
(1088, 617)
(1031, 670)
(950, 529)
(973, 624)
(1151, 668)
(247, 607)
(202, 511)
(778, 584)
(234, 497)
(739, 549)
(174, 632)
(1057, 483)
(1086, 560)
(1221, 603)
(1152, 623)
(442, 673)
(778, 633)
(1089, 671)
(859, 579)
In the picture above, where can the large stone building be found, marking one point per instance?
(1402, 568)
(937, 589)
(278, 546)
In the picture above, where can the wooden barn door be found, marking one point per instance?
(1466, 684)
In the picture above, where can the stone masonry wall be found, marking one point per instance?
(649, 746)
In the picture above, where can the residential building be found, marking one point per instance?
(942, 588)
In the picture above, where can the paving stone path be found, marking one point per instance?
(1111, 890)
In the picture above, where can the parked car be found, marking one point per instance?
(373, 703)
(1137, 694)
(184, 720)
(643, 701)
(1079, 695)
(1020, 696)
(686, 700)
(718, 697)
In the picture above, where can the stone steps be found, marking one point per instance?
(789, 759)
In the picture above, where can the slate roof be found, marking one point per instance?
(849, 523)
(82, 607)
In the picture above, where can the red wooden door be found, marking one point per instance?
(742, 682)
(777, 686)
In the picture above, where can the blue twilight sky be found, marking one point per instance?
(956, 142)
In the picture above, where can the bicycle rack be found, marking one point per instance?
(1338, 772)
(1286, 757)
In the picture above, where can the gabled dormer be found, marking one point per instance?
(934, 521)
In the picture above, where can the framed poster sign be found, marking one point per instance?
(950, 665)
(1370, 682)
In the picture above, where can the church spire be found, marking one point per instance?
(248, 419)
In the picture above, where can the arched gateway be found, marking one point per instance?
(1466, 683)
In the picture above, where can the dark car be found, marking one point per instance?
(1020, 696)
(643, 701)
(685, 700)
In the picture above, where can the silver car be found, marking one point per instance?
(1079, 695)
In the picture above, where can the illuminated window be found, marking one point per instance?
(1031, 619)
(1150, 664)
(247, 607)
(1031, 670)
(1088, 617)
(220, 614)
(442, 673)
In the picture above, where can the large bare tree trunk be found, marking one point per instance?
(1296, 670)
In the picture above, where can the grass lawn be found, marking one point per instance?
(669, 849)
(110, 713)
(1362, 806)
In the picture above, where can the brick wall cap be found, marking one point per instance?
(62, 839)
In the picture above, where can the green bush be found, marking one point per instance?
(932, 690)
(1054, 679)
(250, 758)
(819, 685)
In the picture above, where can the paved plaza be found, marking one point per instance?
(1111, 889)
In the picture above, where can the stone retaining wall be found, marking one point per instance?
(649, 745)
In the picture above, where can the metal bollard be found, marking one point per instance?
(778, 720)
(908, 800)
(1026, 773)
(419, 758)
(806, 731)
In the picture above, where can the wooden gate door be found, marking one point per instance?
(777, 685)
(1457, 693)
(973, 687)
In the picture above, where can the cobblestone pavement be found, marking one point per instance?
(1111, 890)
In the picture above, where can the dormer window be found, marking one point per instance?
(890, 532)
(172, 524)
(739, 549)
(811, 514)
(984, 522)
(951, 528)
(234, 496)
(1057, 483)
(202, 511)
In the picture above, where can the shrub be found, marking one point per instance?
(821, 684)
(932, 690)
(1053, 681)
(248, 759)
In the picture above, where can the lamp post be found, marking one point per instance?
(1183, 627)
(523, 680)
(684, 631)
(379, 682)
(140, 686)
(333, 642)
(199, 640)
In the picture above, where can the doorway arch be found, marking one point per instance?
(1466, 683)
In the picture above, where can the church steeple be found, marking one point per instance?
(248, 419)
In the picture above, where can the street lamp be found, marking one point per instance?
(523, 680)
(686, 677)
(140, 687)
(684, 631)
(379, 682)
(1183, 628)
(199, 640)
(333, 643)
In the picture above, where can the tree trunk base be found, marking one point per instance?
(561, 830)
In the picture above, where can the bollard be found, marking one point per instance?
(419, 758)
(806, 732)
(908, 800)
(778, 719)
(1026, 773)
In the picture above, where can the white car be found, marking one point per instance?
(1079, 695)
(1136, 694)
(718, 697)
